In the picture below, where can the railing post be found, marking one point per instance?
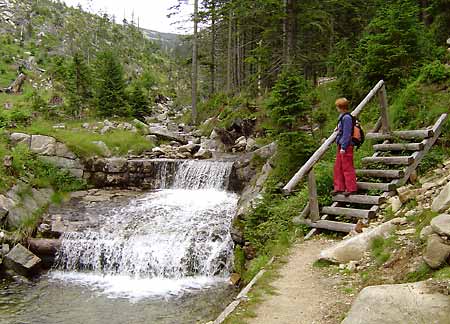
(385, 127)
(313, 201)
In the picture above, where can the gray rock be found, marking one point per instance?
(62, 162)
(442, 202)
(63, 151)
(104, 150)
(395, 304)
(251, 145)
(5, 249)
(116, 165)
(441, 224)
(106, 129)
(152, 139)
(3, 213)
(353, 249)
(22, 261)
(436, 252)
(43, 145)
(203, 154)
(20, 138)
(164, 133)
(425, 232)
(395, 203)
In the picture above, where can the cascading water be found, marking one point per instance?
(165, 242)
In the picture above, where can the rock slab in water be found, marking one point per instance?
(394, 304)
(441, 224)
(22, 261)
(353, 248)
(442, 202)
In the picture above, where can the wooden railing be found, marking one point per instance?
(308, 168)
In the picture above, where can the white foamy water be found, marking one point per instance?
(164, 243)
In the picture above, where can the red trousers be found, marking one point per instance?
(344, 171)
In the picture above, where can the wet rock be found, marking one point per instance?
(20, 138)
(436, 252)
(104, 150)
(237, 236)
(249, 251)
(353, 249)
(442, 202)
(43, 145)
(404, 303)
(235, 279)
(203, 154)
(441, 224)
(22, 261)
(44, 247)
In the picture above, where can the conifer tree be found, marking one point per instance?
(111, 98)
(78, 84)
(139, 103)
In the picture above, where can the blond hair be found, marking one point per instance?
(342, 103)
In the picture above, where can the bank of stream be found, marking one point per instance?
(163, 256)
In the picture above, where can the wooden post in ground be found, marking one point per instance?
(313, 201)
(385, 127)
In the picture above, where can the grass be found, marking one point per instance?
(381, 248)
(80, 141)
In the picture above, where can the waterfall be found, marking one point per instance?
(180, 233)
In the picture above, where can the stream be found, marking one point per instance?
(164, 256)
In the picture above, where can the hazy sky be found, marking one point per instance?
(152, 13)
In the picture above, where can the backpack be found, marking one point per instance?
(358, 135)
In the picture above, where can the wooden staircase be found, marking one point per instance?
(394, 161)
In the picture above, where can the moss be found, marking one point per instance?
(442, 274)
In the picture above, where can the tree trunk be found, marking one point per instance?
(230, 51)
(213, 48)
(195, 64)
(289, 29)
(16, 86)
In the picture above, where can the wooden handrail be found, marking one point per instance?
(320, 152)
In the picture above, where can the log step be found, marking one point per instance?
(331, 225)
(399, 147)
(360, 199)
(389, 174)
(409, 134)
(390, 160)
(351, 212)
(376, 186)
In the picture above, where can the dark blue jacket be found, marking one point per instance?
(345, 128)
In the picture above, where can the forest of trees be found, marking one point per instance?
(244, 45)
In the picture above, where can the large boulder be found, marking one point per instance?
(63, 151)
(20, 138)
(441, 224)
(442, 202)
(22, 261)
(164, 133)
(436, 252)
(43, 145)
(405, 303)
(104, 150)
(353, 248)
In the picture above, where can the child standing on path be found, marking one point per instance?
(344, 170)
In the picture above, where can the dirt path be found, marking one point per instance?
(306, 295)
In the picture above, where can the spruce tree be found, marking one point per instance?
(111, 99)
(78, 84)
(139, 103)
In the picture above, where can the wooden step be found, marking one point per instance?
(376, 186)
(399, 147)
(331, 225)
(408, 134)
(390, 160)
(360, 199)
(389, 174)
(351, 212)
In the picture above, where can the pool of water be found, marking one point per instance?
(51, 301)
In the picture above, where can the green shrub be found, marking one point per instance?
(434, 72)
